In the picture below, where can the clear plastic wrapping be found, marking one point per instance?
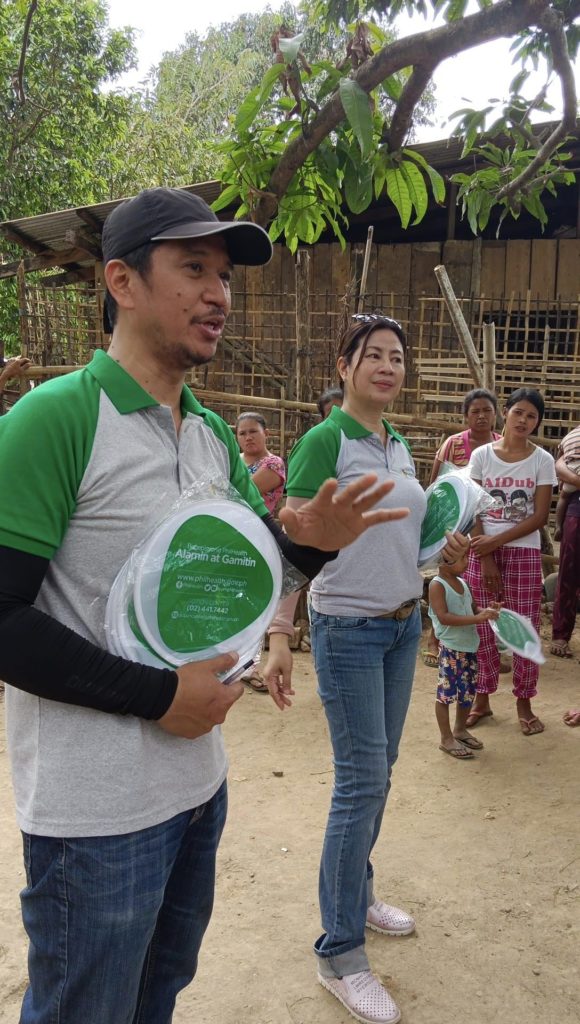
(453, 502)
(204, 581)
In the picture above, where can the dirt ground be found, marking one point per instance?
(485, 853)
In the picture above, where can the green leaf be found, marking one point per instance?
(437, 182)
(417, 189)
(358, 186)
(398, 193)
(357, 109)
(393, 87)
(248, 110)
(226, 197)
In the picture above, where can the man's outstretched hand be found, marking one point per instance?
(333, 518)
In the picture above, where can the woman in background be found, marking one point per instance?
(269, 474)
(505, 562)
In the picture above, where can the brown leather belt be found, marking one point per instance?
(402, 612)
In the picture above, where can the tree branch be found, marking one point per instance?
(553, 25)
(19, 80)
(425, 49)
(402, 118)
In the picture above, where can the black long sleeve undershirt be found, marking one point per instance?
(45, 658)
(41, 656)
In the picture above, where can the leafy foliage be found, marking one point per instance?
(56, 123)
(358, 152)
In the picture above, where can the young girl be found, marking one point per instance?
(455, 618)
(480, 414)
(505, 556)
(268, 470)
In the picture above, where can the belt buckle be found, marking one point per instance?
(404, 611)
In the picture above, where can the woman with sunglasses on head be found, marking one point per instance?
(365, 629)
(505, 562)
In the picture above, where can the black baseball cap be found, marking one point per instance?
(165, 214)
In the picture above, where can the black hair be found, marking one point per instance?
(330, 395)
(527, 395)
(471, 396)
(139, 260)
(358, 333)
(257, 416)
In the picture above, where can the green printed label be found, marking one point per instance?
(442, 514)
(214, 583)
(513, 632)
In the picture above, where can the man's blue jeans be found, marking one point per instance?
(365, 669)
(115, 923)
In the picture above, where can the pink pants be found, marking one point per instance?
(521, 573)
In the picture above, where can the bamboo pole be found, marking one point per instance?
(365, 269)
(461, 328)
(282, 420)
(303, 374)
(489, 356)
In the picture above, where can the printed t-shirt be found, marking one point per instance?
(89, 463)
(276, 464)
(378, 571)
(457, 448)
(514, 485)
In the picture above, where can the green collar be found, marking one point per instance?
(353, 429)
(124, 391)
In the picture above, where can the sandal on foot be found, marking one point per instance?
(471, 742)
(572, 717)
(430, 659)
(255, 682)
(561, 649)
(461, 753)
(474, 717)
(525, 724)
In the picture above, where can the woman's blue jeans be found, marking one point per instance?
(365, 669)
(115, 923)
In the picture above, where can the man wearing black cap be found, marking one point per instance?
(118, 768)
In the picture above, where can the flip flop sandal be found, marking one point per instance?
(525, 726)
(462, 755)
(561, 649)
(255, 682)
(430, 659)
(476, 716)
(470, 741)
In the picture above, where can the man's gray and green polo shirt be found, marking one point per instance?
(90, 462)
(378, 572)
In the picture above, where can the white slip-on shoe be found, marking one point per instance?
(364, 997)
(381, 917)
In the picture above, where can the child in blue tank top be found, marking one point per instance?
(455, 619)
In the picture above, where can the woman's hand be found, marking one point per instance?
(456, 547)
(484, 545)
(278, 671)
(332, 519)
(491, 576)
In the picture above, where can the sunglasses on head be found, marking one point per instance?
(371, 318)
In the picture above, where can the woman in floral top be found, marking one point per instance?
(268, 470)
(269, 475)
